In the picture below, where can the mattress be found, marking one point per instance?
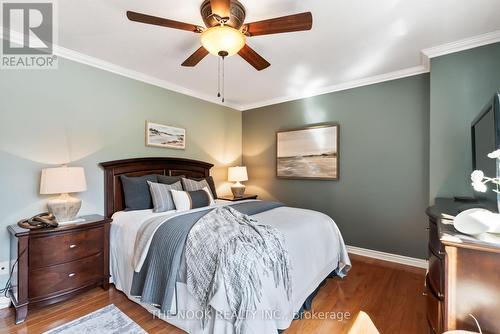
(314, 244)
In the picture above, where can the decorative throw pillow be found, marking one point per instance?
(162, 197)
(193, 184)
(186, 200)
(136, 192)
(167, 179)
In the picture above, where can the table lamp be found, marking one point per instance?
(237, 175)
(63, 180)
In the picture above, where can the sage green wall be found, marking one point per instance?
(83, 115)
(380, 199)
(461, 84)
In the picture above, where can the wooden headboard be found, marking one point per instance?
(113, 191)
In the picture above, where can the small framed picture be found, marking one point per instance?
(308, 153)
(159, 135)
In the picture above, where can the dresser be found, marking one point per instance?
(463, 276)
(54, 264)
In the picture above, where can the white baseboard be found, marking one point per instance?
(4, 302)
(409, 261)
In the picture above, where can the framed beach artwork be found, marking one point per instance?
(308, 153)
(159, 135)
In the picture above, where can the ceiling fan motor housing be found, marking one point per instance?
(236, 18)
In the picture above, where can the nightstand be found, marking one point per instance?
(55, 264)
(236, 199)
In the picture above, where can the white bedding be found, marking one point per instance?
(315, 247)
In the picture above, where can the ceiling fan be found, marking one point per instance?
(226, 31)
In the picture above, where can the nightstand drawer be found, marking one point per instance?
(61, 278)
(61, 248)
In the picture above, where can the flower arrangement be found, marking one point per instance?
(480, 181)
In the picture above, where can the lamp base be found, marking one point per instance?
(238, 190)
(64, 208)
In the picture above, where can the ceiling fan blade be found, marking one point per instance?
(196, 57)
(296, 22)
(253, 58)
(221, 7)
(158, 21)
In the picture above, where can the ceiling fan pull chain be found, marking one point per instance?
(223, 79)
(218, 76)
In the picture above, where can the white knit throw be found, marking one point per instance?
(226, 244)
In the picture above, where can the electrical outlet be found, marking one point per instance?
(4, 268)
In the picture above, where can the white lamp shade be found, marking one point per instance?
(237, 174)
(62, 180)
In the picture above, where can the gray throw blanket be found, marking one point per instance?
(155, 278)
(226, 244)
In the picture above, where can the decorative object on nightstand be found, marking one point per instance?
(235, 199)
(480, 181)
(52, 265)
(63, 180)
(478, 221)
(237, 175)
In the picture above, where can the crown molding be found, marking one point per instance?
(79, 57)
(424, 67)
(426, 56)
(107, 66)
(460, 45)
(340, 87)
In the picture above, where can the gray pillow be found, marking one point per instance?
(162, 197)
(136, 192)
(192, 184)
(166, 179)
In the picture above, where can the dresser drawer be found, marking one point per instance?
(435, 275)
(61, 248)
(434, 310)
(65, 277)
(434, 243)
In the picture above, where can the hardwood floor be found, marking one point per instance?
(391, 294)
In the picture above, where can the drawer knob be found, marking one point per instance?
(71, 275)
(72, 246)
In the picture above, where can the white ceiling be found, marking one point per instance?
(350, 40)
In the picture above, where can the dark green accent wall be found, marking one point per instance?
(461, 84)
(380, 199)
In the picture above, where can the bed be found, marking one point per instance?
(315, 247)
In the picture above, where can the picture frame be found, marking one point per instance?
(309, 153)
(165, 136)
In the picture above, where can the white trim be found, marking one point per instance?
(104, 65)
(343, 86)
(463, 44)
(4, 302)
(131, 74)
(426, 55)
(409, 261)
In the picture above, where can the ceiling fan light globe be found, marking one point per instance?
(223, 38)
